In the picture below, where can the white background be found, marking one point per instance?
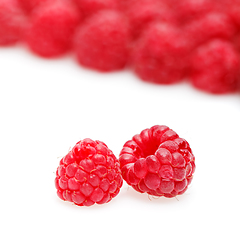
(46, 106)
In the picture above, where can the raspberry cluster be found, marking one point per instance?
(157, 161)
(88, 174)
(159, 40)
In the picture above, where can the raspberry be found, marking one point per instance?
(212, 25)
(102, 41)
(160, 54)
(215, 67)
(29, 5)
(89, 7)
(88, 174)
(231, 8)
(12, 22)
(157, 161)
(52, 27)
(142, 13)
(188, 10)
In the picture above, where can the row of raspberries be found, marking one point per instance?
(156, 161)
(162, 41)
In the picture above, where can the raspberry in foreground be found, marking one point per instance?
(88, 174)
(101, 42)
(12, 22)
(215, 67)
(51, 29)
(157, 161)
(161, 54)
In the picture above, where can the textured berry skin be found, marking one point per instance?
(88, 174)
(102, 41)
(141, 13)
(188, 10)
(89, 7)
(157, 161)
(52, 27)
(160, 54)
(29, 5)
(215, 67)
(212, 25)
(12, 22)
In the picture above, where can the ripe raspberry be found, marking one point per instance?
(231, 8)
(215, 67)
(236, 42)
(102, 41)
(188, 10)
(212, 25)
(29, 5)
(160, 54)
(142, 12)
(52, 27)
(157, 161)
(89, 7)
(88, 174)
(12, 22)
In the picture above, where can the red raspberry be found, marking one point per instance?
(52, 27)
(212, 25)
(157, 161)
(160, 54)
(102, 41)
(12, 22)
(231, 8)
(88, 174)
(89, 7)
(29, 5)
(215, 67)
(142, 12)
(188, 10)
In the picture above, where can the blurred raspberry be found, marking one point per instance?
(236, 42)
(89, 7)
(102, 41)
(161, 54)
(188, 10)
(52, 27)
(12, 22)
(141, 13)
(88, 174)
(215, 67)
(157, 161)
(231, 8)
(29, 5)
(212, 25)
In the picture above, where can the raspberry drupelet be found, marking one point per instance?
(215, 67)
(12, 22)
(51, 28)
(88, 174)
(102, 41)
(157, 161)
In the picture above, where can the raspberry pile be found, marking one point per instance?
(88, 174)
(157, 161)
(157, 39)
